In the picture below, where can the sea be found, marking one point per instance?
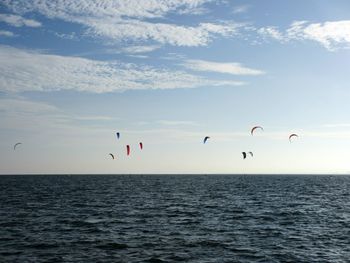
(175, 218)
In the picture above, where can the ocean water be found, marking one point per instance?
(175, 218)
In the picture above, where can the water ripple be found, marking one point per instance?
(169, 218)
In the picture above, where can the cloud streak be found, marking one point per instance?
(15, 105)
(177, 123)
(241, 9)
(143, 21)
(66, 9)
(6, 33)
(140, 49)
(25, 70)
(18, 21)
(232, 68)
(331, 34)
(130, 19)
(176, 35)
(271, 32)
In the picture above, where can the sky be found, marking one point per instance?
(168, 73)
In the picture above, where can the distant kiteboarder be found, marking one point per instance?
(17, 144)
(141, 145)
(118, 135)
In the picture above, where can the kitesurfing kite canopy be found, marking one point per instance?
(15, 146)
(128, 149)
(205, 139)
(254, 128)
(251, 154)
(292, 135)
(118, 135)
(141, 145)
(244, 155)
(112, 155)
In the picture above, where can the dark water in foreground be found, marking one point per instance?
(154, 218)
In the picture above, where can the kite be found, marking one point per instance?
(14, 147)
(292, 135)
(254, 128)
(128, 150)
(205, 139)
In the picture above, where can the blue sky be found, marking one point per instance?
(169, 73)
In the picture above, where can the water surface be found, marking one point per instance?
(174, 218)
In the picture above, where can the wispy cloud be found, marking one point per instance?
(337, 125)
(24, 70)
(94, 118)
(126, 19)
(18, 113)
(38, 117)
(332, 34)
(18, 21)
(168, 123)
(271, 32)
(71, 36)
(340, 135)
(25, 106)
(140, 49)
(176, 123)
(25, 115)
(172, 34)
(5, 33)
(92, 8)
(241, 9)
(228, 68)
(194, 11)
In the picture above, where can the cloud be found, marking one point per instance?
(337, 125)
(94, 118)
(327, 135)
(329, 34)
(71, 36)
(71, 9)
(22, 114)
(18, 21)
(332, 35)
(194, 11)
(5, 33)
(240, 9)
(271, 32)
(25, 70)
(167, 123)
(228, 68)
(18, 114)
(140, 49)
(176, 123)
(16, 105)
(172, 34)
(129, 19)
